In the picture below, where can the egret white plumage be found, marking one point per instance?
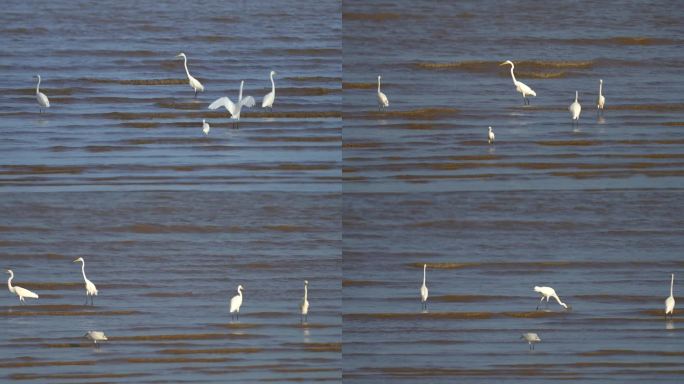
(43, 101)
(531, 338)
(424, 290)
(19, 291)
(91, 290)
(304, 306)
(236, 303)
(519, 85)
(575, 109)
(670, 301)
(270, 97)
(95, 336)
(490, 136)
(194, 83)
(234, 109)
(546, 293)
(205, 127)
(601, 99)
(382, 98)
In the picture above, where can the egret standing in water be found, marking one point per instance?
(234, 109)
(491, 136)
(546, 293)
(670, 301)
(194, 83)
(531, 339)
(19, 291)
(601, 99)
(575, 109)
(91, 290)
(519, 85)
(424, 290)
(236, 303)
(304, 306)
(95, 336)
(205, 127)
(270, 97)
(382, 99)
(43, 101)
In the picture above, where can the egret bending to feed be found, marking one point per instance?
(520, 86)
(382, 99)
(91, 290)
(43, 101)
(270, 97)
(548, 292)
(575, 109)
(234, 109)
(194, 83)
(670, 301)
(601, 99)
(531, 338)
(95, 336)
(491, 136)
(205, 127)
(236, 303)
(19, 291)
(424, 290)
(304, 306)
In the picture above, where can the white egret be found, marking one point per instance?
(19, 291)
(424, 290)
(491, 136)
(270, 97)
(194, 83)
(670, 301)
(95, 336)
(548, 292)
(205, 127)
(382, 99)
(304, 306)
(236, 303)
(531, 338)
(43, 101)
(519, 85)
(234, 109)
(575, 109)
(601, 99)
(91, 290)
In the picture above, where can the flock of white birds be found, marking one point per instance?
(575, 108)
(547, 293)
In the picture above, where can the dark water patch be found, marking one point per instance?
(209, 351)
(168, 294)
(468, 298)
(74, 376)
(293, 115)
(24, 31)
(361, 283)
(314, 79)
(416, 316)
(414, 114)
(106, 148)
(167, 228)
(630, 352)
(178, 361)
(237, 325)
(623, 40)
(673, 124)
(230, 19)
(347, 144)
(418, 372)
(46, 89)
(663, 107)
(494, 66)
(616, 298)
(307, 52)
(27, 311)
(347, 85)
(290, 228)
(308, 91)
(191, 106)
(316, 347)
(300, 139)
(151, 115)
(376, 16)
(38, 363)
(181, 336)
(533, 265)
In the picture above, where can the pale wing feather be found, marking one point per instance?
(23, 292)
(247, 102)
(268, 100)
(223, 102)
(235, 303)
(43, 100)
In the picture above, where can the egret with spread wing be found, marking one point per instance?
(234, 109)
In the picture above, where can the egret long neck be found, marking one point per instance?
(83, 270)
(38, 85)
(424, 267)
(9, 282)
(600, 89)
(576, 95)
(378, 85)
(512, 75)
(671, 285)
(240, 292)
(240, 95)
(306, 292)
(272, 84)
(185, 64)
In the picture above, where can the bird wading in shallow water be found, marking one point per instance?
(424, 290)
(95, 336)
(91, 290)
(382, 98)
(205, 127)
(491, 136)
(670, 301)
(601, 102)
(519, 85)
(546, 293)
(531, 338)
(19, 291)
(43, 101)
(234, 109)
(236, 303)
(304, 306)
(575, 109)
(194, 83)
(268, 100)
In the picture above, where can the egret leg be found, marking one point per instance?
(92, 300)
(86, 302)
(195, 93)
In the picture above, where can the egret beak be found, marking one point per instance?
(504, 63)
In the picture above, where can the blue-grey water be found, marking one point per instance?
(169, 222)
(592, 210)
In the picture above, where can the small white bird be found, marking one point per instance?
(382, 99)
(601, 99)
(270, 97)
(304, 306)
(91, 290)
(575, 109)
(205, 127)
(236, 303)
(531, 338)
(548, 292)
(234, 109)
(519, 85)
(19, 291)
(194, 83)
(491, 136)
(424, 290)
(43, 101)
(95, 336)
(670, 301)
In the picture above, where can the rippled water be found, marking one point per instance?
(592, 211)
